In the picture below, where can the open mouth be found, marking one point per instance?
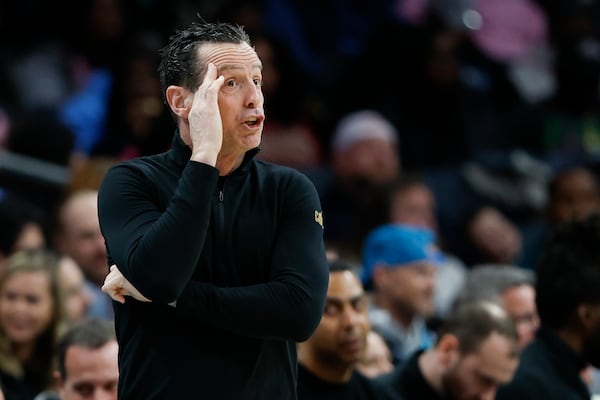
(254, 121)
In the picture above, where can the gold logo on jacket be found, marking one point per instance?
(319, 218)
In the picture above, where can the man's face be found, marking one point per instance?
(341, 337)
(373, 160)
(577, 196)
(478, 375)
(91, 373)
(410, 288)
(414, 205)
(241, 101)
(496, 236)
(81, 238)
(519, 303)
(76, 297)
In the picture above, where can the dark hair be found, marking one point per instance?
(91, 333)
(180, 64)
(472, 322)
(15, 213)
(340, 265)
(559, 193)
(569, 271)
(408, 180)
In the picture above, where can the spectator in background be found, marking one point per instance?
(21, 223)
(568, 303)
(327, 360)
(377, 359)
(412, 202)
(76, 294)
(511, 287)
(492, 238)
(475, 353)
(87, 363)
(78, 236)
(31, 319)
(400, 263)
(574, 193)
(364, 160)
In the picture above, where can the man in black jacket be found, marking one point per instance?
(228, 249)
(568, 303)
(327, 360)
(476, 351)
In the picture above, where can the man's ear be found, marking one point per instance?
(448, 348)
(379, 275)
(179, 100)
(58, 380)
(589, 315)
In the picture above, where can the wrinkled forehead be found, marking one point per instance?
(230, 55)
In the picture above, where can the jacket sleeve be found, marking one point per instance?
(290, 304)
(144, 239)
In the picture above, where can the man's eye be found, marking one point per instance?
(331, 309)
(230, 84)
(84, 389)
(258, 82)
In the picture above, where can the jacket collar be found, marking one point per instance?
(180, 154)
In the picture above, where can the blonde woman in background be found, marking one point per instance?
(30, 322)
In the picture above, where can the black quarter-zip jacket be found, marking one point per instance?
(244, 257)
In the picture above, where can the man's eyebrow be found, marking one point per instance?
(340, 300)
(226, 67)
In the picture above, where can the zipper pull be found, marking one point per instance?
(220, 195)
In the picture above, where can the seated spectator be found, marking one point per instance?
(574, 193)
(412, 202)
(364, 160)
(400, 263)
(30, 322)
(493, 237)
(87, 363)
(568, 303)
(509, 286)
(76, 295)
(78, 236)
(327, 360)
(475, 353)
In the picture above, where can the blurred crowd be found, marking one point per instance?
(477, 121)
(486, 101)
